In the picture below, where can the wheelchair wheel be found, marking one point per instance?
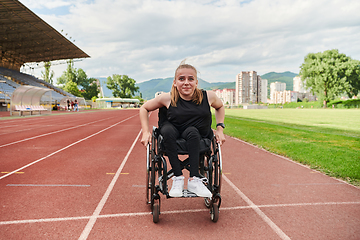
(214, 212)
(153, 177)
(156, 171)
(216, 168)
(212, 171)
(149, 156)
(206, 171)
(156, 212)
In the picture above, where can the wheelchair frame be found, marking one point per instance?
(210, 167)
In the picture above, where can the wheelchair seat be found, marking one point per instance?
(205, 144)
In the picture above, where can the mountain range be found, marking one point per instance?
(150, 87)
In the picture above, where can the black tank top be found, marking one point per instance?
(186, 114)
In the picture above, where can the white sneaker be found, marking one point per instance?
(197, 186)
(177, 186)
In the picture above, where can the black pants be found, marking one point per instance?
(192, 137)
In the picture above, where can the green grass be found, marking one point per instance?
(327, 140)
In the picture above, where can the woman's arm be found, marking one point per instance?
(217, 104)
(151, 105)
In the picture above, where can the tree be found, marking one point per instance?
(330, 74)
(77, 83)
(47, 75)
(69, 74)
(81, 78)
(122, 86)
(72, 88)
(90, 88)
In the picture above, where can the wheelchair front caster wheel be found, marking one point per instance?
(207, 202)
(214, 212)
(156, 212)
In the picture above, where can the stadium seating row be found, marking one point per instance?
(25, 79)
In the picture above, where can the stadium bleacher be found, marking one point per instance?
(11, 79)
(6, 88)
(26, 38)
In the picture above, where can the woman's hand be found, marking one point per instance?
(220, 137)
(145, 139)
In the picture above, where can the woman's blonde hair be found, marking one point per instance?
(197, 97)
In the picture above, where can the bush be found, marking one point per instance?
(315, 104)
(351, 103)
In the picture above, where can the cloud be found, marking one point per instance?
(147, 39)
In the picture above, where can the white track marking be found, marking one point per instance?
(22, 120)
(266, 219)
(46, 185)
(42, 220)
(2, 127)
(27, 129)
(290, 160)
(22, 130)
(62, 149)
(295, 205)
(102, 202)
(46, 134)
(118, 215)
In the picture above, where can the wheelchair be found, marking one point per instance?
(210, 168)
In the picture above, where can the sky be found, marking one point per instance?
(147, 39)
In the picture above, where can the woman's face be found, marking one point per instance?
(186, 82)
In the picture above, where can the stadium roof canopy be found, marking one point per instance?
(24, 37)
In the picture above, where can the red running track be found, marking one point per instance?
(82, 176)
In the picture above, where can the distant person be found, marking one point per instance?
(76, 107)
(55, 105)
(68, 104)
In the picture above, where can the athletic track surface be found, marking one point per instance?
(82, 176)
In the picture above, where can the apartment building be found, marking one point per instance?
(303, 92)
(274, 88)
(282, 97)
(263, 90)
(250, 88)
(227, 96)
(298, 85)
(279, 94)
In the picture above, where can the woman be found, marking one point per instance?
(185, 112)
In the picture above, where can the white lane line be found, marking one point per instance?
(288, 159)
(43, 220)
(22, 120)
(46, 134)
(293, 161)
(266, 219)
(102, 202)
(46, 185)
(2, 127)
(27, 129)
(292, 205)
(62, 149)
